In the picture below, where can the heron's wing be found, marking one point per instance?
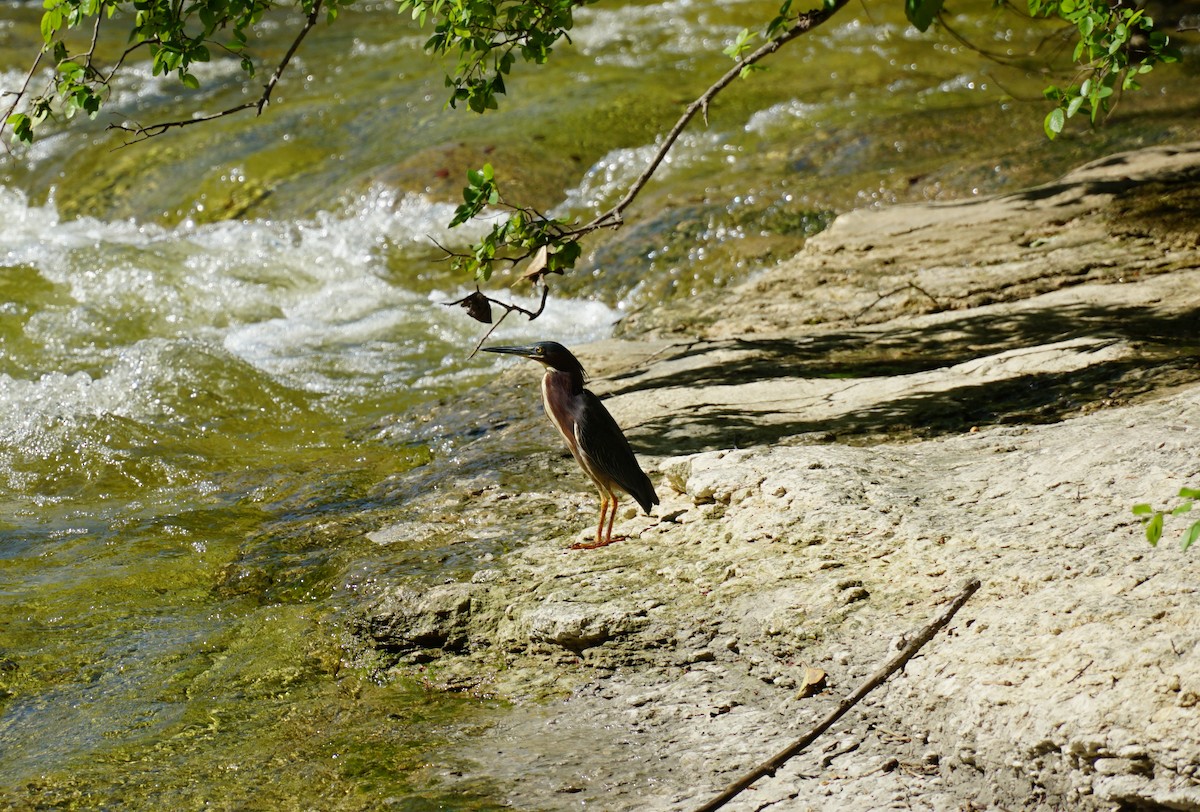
(604, 446)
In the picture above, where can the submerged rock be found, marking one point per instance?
(407, 619)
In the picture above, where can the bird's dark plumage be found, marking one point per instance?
(614, 456)
(590, 432)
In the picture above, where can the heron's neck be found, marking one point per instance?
(560, 397)
(566, 382)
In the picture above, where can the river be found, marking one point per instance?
(209, 341)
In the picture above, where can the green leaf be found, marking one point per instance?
(740, 43)
(564, 257)
(22, 127)
(1189, 493)
(51, 21)
(1154, 528)
(1191, 536)
(1142, 509)
(70, 70)
(1055, 120)
(921, 13)
(189, 80)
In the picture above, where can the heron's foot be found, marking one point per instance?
(592, 545)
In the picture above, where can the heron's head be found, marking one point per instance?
(548, 353)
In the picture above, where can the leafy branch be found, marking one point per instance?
(488, 36)
(1153, 519)
(176, 36)
(259, 104)
(1117, 44)
(479, 307)
(553, 245)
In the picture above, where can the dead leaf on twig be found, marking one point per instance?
(539, 266)
(478, 306)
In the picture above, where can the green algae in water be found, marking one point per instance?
(255, 720)
(138, 690)
(182, 645)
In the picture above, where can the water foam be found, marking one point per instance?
(631, 35)
(310, 305)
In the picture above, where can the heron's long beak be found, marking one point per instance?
(524, 352)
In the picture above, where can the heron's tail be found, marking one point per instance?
(645, 494)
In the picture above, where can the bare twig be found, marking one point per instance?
(994, 56)
(509, 308)
(91, 51)
(832, 755)
(881, 296)
(771, 765)
(1081, 672)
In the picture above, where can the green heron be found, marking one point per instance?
(590, 432)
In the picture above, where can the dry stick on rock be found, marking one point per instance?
(768, 767)
(881, 296)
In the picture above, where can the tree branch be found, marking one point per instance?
(556, 234)
(478, 305)
(18, 95)
(769, 767)
(802, 25)
(152, 130)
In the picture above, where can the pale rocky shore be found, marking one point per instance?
(926, 394)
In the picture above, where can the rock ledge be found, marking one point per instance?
(1006, 377)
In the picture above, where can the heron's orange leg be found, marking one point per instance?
(600, 525)
(607, 507)
(608, 539)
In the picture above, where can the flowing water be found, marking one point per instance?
(203, 334)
